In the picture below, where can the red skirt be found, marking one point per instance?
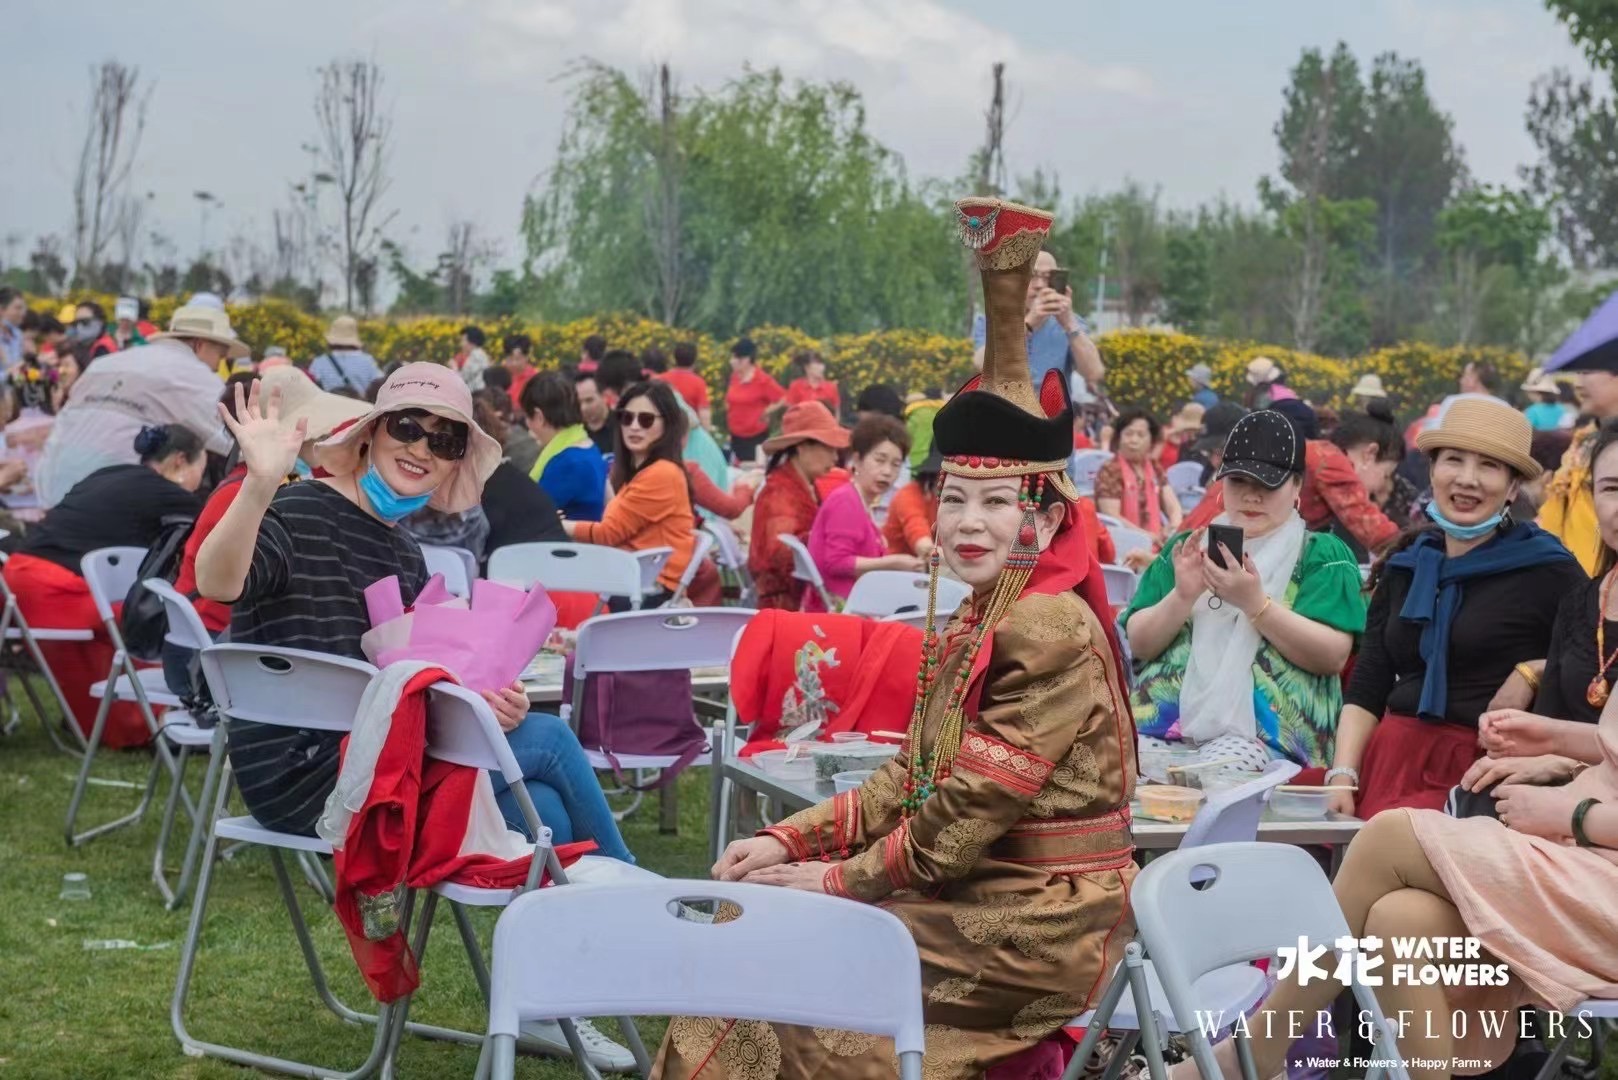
(1412, 763)
(54, 597)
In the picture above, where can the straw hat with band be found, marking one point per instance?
(1487, 426)
(344, 333)
(808, 421)
(196, 323)
(431, 388)
(303, 399)
(1540, 383)
(1369, 386)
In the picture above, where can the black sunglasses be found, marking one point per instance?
(644, 420)
(446, 445)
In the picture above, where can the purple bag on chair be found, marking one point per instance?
(639, 713)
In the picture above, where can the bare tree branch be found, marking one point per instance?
(353, 149)
(101, 205)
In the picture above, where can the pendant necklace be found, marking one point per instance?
(1598, 691)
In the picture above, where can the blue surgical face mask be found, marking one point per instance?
(1464, 532)
(389, 505)
(302, 469)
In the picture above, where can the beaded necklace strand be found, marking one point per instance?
(929, 768)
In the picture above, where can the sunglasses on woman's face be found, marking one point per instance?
(643, 420)
(446, 445)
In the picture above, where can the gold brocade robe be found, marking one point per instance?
(1013, 877)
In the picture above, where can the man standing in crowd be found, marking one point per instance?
(1569, 510)
(170, 381)
(12, 309)
(1057, 338)
(519, 361)
(590, 356)
(618, 371)
(346, 366)
(1332, 490)
(1201, 379)
(471, 361)
(750, 401)
(688, 384)
(593, 409)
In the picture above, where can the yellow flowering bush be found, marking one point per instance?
(1144, 367)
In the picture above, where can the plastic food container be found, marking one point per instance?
(1299, 805)
(848, 781)
(1155, 764)
(833, 758)
(1169, 803)
(1223, 779)
(775, 763)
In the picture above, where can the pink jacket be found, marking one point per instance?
(843, 531)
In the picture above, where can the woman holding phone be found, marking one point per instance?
(1242, 643)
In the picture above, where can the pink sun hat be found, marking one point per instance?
(435, 389)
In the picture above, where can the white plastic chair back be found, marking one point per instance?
(1121, 583)
(462, 729)
(588, 568)
(729, 547)
(1200, 909)
(881, 593)
(1184, 476)
(186, 628)
(699, 554)
(286, 687)
(918, 619)
(453, 563)
(652, 561)
(1083, 468)
(803, 563)
(685, 965)
(110, 572)
(1125, 537)
(1232, 816)
(668, 639)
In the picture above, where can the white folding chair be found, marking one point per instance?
(1084, 465)
(699, 554)
(1602, 1015)
(1229, 816)
(186, 630)
(15, 629)
(589, 568)
(458, 565)
(691, 965)
(1207, 908)
(1125, 537)
(891, 592)
(110, 573)
(462, 729)
(652, 561)
(1121, 584)
(918, 619)
(669, 639)
(290, 688)
(804, 569)
(728, 550)
(1184, 476)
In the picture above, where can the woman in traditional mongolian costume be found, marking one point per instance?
(999, 835)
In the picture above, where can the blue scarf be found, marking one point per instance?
(1435, 592)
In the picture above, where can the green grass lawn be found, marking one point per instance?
(74, 1013)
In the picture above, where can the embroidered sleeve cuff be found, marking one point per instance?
(832, 883)
(1003, 763)
(790, 839)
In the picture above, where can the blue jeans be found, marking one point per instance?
(562, 786)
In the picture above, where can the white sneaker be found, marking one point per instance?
(601, 1051)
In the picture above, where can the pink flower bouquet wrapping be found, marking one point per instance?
(486, 643)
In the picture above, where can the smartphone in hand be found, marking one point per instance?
(1058, 281)
(1229, 536)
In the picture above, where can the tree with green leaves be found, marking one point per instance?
(1576, 130)
(1594, 27)
(1495, 270)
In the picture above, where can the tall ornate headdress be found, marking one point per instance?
(997, 425)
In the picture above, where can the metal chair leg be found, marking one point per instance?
(1145, 1015)
(81, 785)
(1098, 1024)
(165, 828)
(193, 847)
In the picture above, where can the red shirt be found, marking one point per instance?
(689, 385)
(826, 393)
(215, 616)
(518, 381)
(746, 402)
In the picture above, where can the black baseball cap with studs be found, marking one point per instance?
(1265, 447)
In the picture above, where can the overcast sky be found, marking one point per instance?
(1178, 93)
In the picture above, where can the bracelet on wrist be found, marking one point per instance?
(1579, 813)
(1343, 770)
(1529, 676)
(1259, 614)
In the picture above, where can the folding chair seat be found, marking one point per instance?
(15, 628)
(110, 573)
(296, 689)
(685, 964)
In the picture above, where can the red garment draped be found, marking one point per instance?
(411, 829)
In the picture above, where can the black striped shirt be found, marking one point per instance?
(316, 554)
